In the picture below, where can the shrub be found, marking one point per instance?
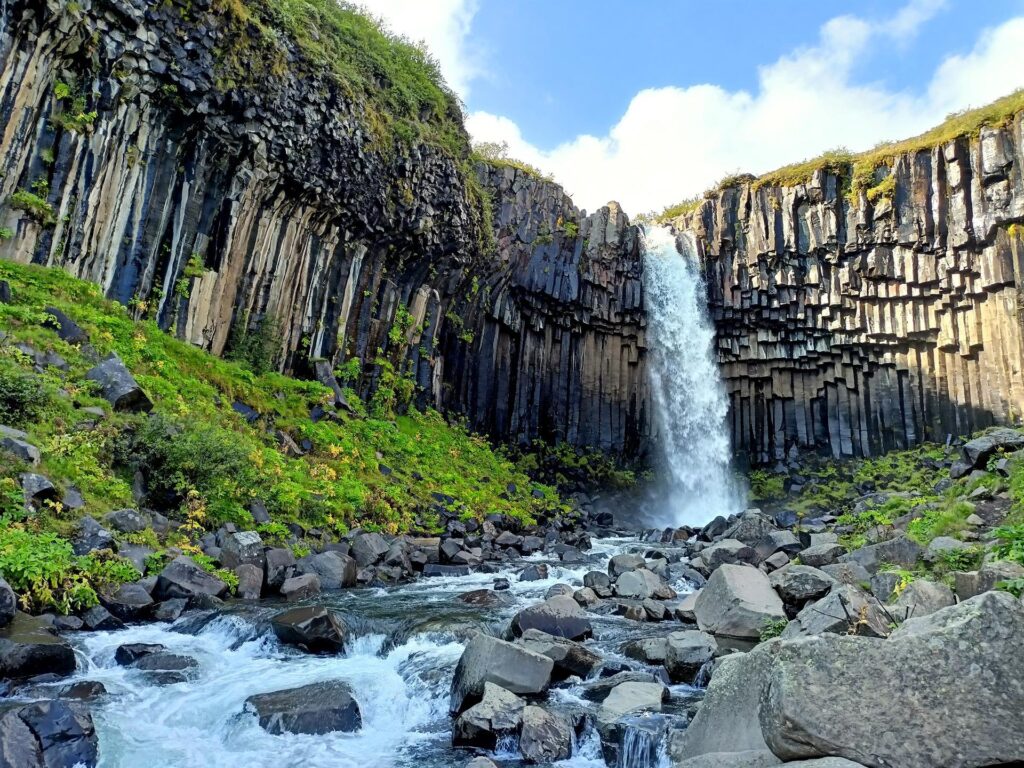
(255, 347)
(772, 628)
(23, 398)
(35, 206)
(1010, 543)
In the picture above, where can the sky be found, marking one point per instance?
(652, 102)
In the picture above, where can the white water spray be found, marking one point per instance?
(690, 401)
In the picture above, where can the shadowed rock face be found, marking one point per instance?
(295, 211)
(860, 327)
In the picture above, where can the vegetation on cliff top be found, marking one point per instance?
(204, 454)
(866, 171)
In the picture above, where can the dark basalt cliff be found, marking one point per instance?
(209, 206)
(859, 326)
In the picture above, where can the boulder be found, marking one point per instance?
(333, 569)
(250, 581)
(737, 601)
(942, 546)
(921, 598)
(976, 452)
(28, 647)
(746, 759)
(845, 610)
(546, 737)
(620, 564)
(130, 602)
(91, 536)
(499, 713)
(796, 584)
(848, 573)
(137, 554)
(183, 578)
(821, 554)
(487, 659)
(631, 697)
(67, 329)
(118, 387)
(776, 542)
(638, 584)
(823, 693)
(48, 734)
(560, 616)
(127, 520)
(99, 619)
(900, 551)
(8, 603)
(280, 566)
(727, 551)
(600, 582)
(570, 658)
(15, 441)
(241, 547)
(649, 650)
(301, 587)
(972, 583)
(686, 652)
(313, 628)
(685, 609)
(751, 528)
(313, 709)
(369, 548)
(170, 610)
(129, 653)
(534, 572)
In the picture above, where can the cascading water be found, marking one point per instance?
(690, 401)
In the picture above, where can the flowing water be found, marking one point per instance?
(408, 640)
(690, 401)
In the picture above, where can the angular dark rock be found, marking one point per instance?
(490, 660)
(183, 578)
(118, 387)
(559, 616)
(313, 628)
(314, 709)
(28, 646)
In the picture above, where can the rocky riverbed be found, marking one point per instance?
(754, 641)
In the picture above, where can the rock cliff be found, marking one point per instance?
(861, 323)
(134, 155)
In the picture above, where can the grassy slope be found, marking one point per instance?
(859, 170)
(212, 462)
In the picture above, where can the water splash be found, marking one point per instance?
(690, 401)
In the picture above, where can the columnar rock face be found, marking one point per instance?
(211, 205)
(859, 326)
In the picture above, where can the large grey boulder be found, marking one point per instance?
(369, 548)
(921, 598)
(487, 659)
(16, 442)
(977, 451)
(751, 528)
(686, 652)
(737, 601)
(313, 628)
(775, 542)
(968, 584)
(958, 670)
(499, 713)
(899, 551)
(183, 578)
(280, 565)
(127, 520)
(727, 551)
(620, 564)
(570, 657)
(845, 610)
(943, 546)
(796, 584)
(90, 536)
(29, 647)
(631, 697)
(746, 759)
(333, 569)
(821, 554)
(129, 602)
(118, 387)
(48, 734)
(242, 547)
(546, 737)
(638, 584)
(302, 587)
(560, 616)
(727, 720)
(312, 709)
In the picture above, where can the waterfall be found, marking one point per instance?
(689, 399)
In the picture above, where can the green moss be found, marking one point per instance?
(35, 206)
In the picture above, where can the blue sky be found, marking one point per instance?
(650, 102)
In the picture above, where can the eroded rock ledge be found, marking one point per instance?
(862, 327)
(210, 206)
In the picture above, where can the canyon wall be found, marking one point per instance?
(134, 157)
(856, 326)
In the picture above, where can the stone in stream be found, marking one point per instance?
(117, 386)
(534, 572)
(546, 737)
(312, 628)
(623, 563)
(165, 668)
(129, 653)
(570, 658)
(629, 698)
(312, 709)
(751, 528)
(170, 610)
(130, 602)
(487, 659)
(844, 610)
(687, 652)
(559, 616)
(499, 713)
(301, 587)
(649, 650)
(737, 601)
(638, 584)
(250, 581)
(183, 578)
(369, 549)
(280, 566)
(959, 668)
(333, 569)
(28, 646)
(48, 734)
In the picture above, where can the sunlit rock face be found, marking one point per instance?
(211, 205)
(859, 326)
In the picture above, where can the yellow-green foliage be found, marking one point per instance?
(209, 461)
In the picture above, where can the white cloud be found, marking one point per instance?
(444, 26)
(673, 143)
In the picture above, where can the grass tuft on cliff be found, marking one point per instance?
(203, 461)
(868, 171)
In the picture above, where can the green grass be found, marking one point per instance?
(206, 463)
(858, 171)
